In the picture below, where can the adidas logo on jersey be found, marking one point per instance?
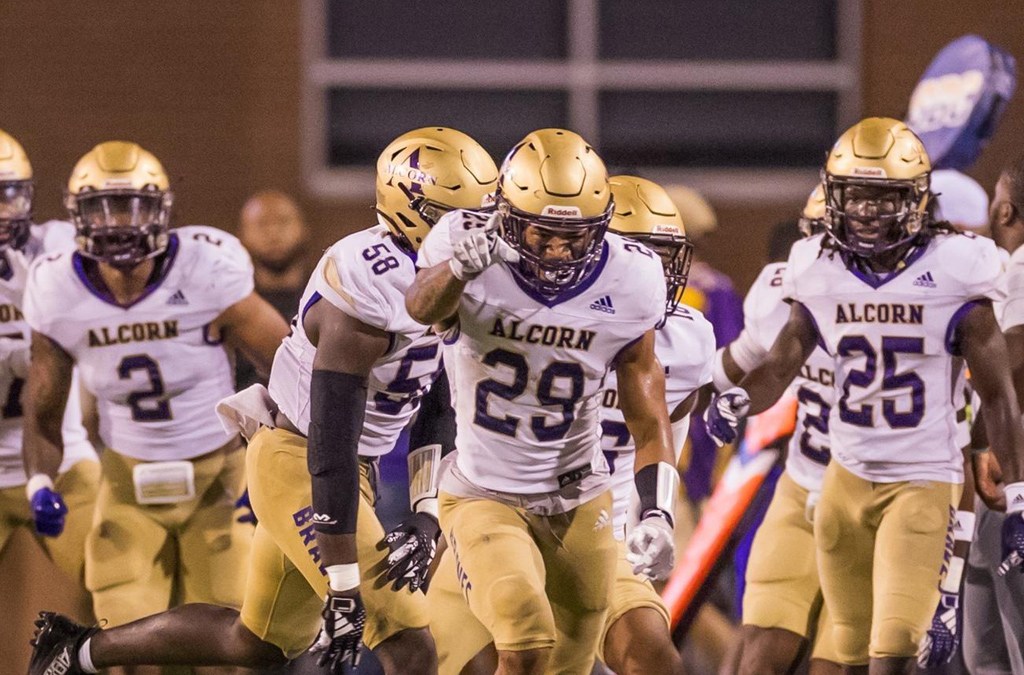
(925, 280)
(177, 299)
(603, 305)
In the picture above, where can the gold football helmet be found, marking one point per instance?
(119, 199)
(555, 205)
(427, 172)
(16, 190)
(645, 213)
(876, 187)
(812, 218)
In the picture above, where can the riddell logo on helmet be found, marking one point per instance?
(665, 229)
(117, 183)
(561, 211)
(415, 175)
(869, 171)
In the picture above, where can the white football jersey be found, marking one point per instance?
(686, 348)
(154, 366)
(765, 312)
(47, 238)
(364, 275)
(526, 370)
(898, 373)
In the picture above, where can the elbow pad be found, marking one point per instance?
(337, 409)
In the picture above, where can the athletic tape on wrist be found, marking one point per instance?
(36, 483)
(424, 473)
(1014, 497)
(657, 485)
(718, 375)
(954, 573)
(343, 577)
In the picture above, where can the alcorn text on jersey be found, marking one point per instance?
(364, 275)
(894, 343)
(765, 312)
(156, 366)
(526, 370)
(46, 238)
(686, 348)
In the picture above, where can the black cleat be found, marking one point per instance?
(55, 645)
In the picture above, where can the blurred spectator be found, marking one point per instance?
(271, 227)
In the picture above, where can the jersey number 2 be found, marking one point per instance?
(892, 382)
(148, 405)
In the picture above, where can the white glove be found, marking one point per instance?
(650, 548)
(476, 244)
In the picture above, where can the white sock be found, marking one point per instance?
(85, 658)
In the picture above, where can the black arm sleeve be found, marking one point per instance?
(337, 409)
(435, 422)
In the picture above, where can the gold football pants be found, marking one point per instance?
(535, 581)
(287, 584)
(880, 554)
(141, 558)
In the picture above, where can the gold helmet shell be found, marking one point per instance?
(16, 192)
(644, 212)
(878, 153)
(14, 164)
(812, 218)
(553, 185)
(119, 199)
(427, 172)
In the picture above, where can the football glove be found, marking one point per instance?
(722, 418)
(650, 548)
(1013, 529)
(341, 632)
(413, 544)
(940, 642)
(477, 244)
(48, 507)
(247, 515)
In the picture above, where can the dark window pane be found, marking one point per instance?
(716, 129)
(362, 121)
(466, 29)
(718, 29)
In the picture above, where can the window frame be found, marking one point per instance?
(583, 76)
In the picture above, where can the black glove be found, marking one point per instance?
(413, 545)
(341, 632)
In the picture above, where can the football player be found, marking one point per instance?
(149, 316)
(537, 303)
(636, 637)
(782, 607)
(344, 384)
(60, 514)
(900, 302)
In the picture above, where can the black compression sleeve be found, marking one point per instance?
(435, 422)
(337, 409)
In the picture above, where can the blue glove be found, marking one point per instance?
(724, 414)
(48, 510)
(247, 515)
(1013, 543)
(940, 643)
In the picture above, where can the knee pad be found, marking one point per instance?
(896, 637)
(520, 610)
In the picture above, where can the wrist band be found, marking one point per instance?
(954, 573)
(343, 577)
(36, 483)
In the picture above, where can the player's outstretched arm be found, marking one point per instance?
(46, 396)
(985, 351)
(346, 350)
(766, 383)
(650, 545)
(433, 297)
(253, 327)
